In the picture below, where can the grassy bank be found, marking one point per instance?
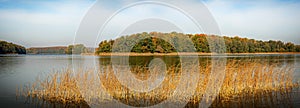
(244, 83)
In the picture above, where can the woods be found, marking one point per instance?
(71, 49)
(47, 50)
(156, 42)
(10, 48)
(177, 42)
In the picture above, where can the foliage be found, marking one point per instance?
(178, 42)
(47, 50)
(10, 48)
(106, 46)
(76, 49)
(71, 49)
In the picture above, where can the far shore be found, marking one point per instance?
(180, 53)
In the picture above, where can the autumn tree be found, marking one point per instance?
(179, 42)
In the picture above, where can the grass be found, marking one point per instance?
(245, 83)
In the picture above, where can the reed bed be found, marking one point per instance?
(246, 83)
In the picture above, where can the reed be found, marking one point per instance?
(245, 81)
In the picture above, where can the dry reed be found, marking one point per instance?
(247, 81)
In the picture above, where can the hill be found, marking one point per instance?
(47, 50)
(71, 49)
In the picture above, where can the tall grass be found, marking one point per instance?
(245, 83)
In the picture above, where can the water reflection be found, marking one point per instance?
(280, 60)
(9, 63)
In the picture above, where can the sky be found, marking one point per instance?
(34, 23)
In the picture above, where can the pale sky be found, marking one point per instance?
(54, 23)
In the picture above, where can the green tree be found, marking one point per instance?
(10, 48)
(290, 47)
(76, 49)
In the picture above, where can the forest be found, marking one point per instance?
(47, 50)
(11, 48)
(156, 42)
(71, 49)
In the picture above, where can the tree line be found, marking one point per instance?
(47, 50)
(178, 42)
(71, 49)
(10, 48)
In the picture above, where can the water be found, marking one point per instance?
(18, 70)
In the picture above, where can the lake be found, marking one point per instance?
(19, 70)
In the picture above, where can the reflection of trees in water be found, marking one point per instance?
(279, 60)
(9, 63)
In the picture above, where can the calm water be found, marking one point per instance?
(18, 70)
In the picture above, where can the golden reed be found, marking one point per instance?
(246, 83)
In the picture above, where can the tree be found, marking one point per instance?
(297, 48)
(178, 42)
(290, 47)
(105, 46)
(76, 49)
(10, 48)
(69, 49)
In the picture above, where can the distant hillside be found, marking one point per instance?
(47, 50)
(150, 43)
(71, 49)
(10, 48)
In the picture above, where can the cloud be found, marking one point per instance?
(276, 20)
(56, 24)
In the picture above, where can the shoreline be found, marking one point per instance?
(183, 53)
